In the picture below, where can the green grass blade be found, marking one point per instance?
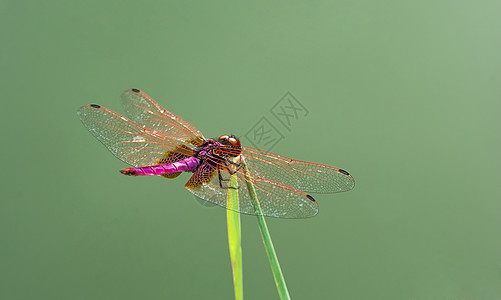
(268, 244)
(234, 237)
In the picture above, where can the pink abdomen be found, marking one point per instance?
(186, 165)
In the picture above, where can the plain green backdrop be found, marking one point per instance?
(405, 95)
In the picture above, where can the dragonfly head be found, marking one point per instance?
(232, 145)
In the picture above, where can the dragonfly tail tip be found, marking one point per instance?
(128, 171)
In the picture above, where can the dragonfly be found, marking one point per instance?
(156, 142)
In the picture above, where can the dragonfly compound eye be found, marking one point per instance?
(223, 139)
(234, 142)
(234, 147)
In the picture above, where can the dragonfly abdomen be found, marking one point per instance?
(186, 165)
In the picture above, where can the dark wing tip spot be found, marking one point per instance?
(135, 90)
(344, 172)
(95, 106)
(311, 198)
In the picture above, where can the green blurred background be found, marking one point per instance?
(405, 95)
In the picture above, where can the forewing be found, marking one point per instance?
(276, 200)
(144, 111)
(128, 141)
(301, 175)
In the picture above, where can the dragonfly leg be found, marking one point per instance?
(221, 180)
(235, 164)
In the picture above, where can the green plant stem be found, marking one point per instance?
(235, 237)
(268, 244)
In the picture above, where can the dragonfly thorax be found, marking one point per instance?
(207, 149)
(224, 148)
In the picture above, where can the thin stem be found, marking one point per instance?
(234, 237)
(268, 244)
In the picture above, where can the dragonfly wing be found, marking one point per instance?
(276, 200)
(301, 175)
(144, 111)
(129, 141)
(201, 182)
(171, 156)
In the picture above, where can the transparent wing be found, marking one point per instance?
(130, 142)
(210, 183)
(143, 110)
(301, 175)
